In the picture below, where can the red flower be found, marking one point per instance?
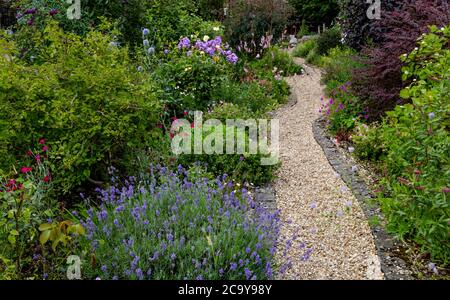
(37, 158)
(174, 118)
(192, 125)
(45, 148)
(26, 170)
(47, 179)
(172, 135)
(185, 113)
(11, 183)
(29, 153)
(159, 126)
(42, 141)
(417, 172)
(446, 190)
(420, 188)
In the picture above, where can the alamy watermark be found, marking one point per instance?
(374, 10)
(74, 10)
(241, 137)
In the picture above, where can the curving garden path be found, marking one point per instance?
(314, 201)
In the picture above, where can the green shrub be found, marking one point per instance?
(84, 96)
(329, 39)
(279, 59)
(241, 167)
(338, 66)
(303, 49)
(314, 58)
(416, 146)
(170, 20)
(128, 16)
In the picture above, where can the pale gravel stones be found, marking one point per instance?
(314, 202)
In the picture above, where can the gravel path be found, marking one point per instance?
(314, 202)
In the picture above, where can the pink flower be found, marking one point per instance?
(26, 170)
(45, 148)
(37, 158)
(47, 179)
(446, 190)
(42, 141)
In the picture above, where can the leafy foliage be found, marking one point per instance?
(252, 26)
(84, 96)
(316, 12)
(329, 39)
(414, 140)
(378, 85)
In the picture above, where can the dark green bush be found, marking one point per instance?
(84, 96)
(329, 39)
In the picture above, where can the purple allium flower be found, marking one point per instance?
(248, 250)
(221, 272)
(199, 277)
(104, 268)
(313, 205)
(151, 50)
(431, 115)
(120, 208)
(146, 43)
(145, 31)
(115, 277)
(184, 43)
(173, 256)
(103, 215)
(166, 51)
(116, 222)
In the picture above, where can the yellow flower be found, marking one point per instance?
(206, 38)
(216, 58)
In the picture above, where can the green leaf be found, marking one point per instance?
(45, 235)
(46, 226)
(14, 232)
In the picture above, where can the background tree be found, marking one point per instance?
(314, 12)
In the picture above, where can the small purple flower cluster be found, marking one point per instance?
(214, 47)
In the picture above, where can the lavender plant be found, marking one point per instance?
(172, 226)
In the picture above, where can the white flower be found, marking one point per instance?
(216, 28)
(351, 149)
(206, 38)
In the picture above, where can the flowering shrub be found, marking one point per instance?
(415, 145)
(192, 71)
(87, 99)
(26, 208)
(173, 226)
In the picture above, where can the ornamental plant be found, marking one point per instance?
(84, 95)
(191, 71)
(179, 225)
(27, 209)
(415, 145)
(379, 83)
